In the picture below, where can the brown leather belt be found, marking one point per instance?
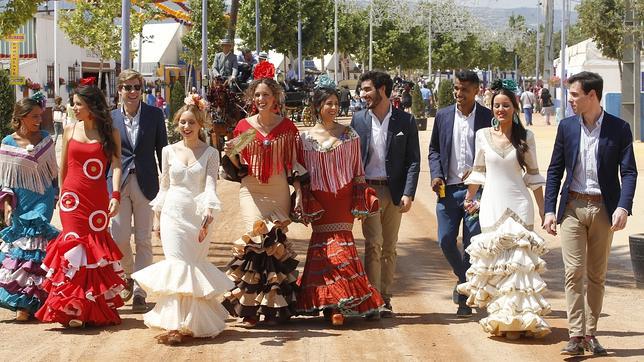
(378, 182)
(586, 197)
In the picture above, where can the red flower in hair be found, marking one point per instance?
(264, 70)
(88, 81)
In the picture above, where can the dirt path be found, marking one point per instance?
(425, 327)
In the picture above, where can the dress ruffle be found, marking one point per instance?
(176, 277)
(207, 200)
(84, 278)
(159, 200)
(264, 275)
(21, 252)
(505, 278)
(334, 278)
(198, 317)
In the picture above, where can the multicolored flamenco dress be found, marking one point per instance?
(82, 263)
(505, 276)
(263, 268)
(28, 178)
(334, 277)
(187, 283)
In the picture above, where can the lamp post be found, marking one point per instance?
(56, 75)
(258, 33)
(335, 42)
(536, 68)
(126, 5)
(299, 41)
(204, 43)
(562, 71)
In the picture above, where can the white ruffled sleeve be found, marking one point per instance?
(477, 176)
(208, 198)
(164, 180)
(532, 177)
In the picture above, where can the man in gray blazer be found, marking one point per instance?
(143, 136)
(391, 158)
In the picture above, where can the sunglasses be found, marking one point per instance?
(128, 87)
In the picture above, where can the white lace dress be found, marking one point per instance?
(506, 257)
(188, 285)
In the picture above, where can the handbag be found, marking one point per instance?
(230, 172)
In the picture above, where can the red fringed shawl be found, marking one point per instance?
(273, 154)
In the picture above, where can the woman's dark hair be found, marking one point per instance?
(319, 97)
(519, 133)
(379, 79)
(21, 109)
(95, 101)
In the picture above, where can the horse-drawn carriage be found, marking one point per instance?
(227, 107)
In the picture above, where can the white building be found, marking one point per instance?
(37, 60)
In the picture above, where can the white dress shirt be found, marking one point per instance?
(376, 167)
(132, 125)
(584, 177)
(461, 156)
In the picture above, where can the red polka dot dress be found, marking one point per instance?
(82, 263)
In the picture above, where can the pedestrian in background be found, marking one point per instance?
(528, 101)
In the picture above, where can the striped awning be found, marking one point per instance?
(28, 46)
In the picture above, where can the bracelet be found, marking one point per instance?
(116, 195)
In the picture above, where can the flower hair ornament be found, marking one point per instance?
(40, 98)
(324, 81)
(196, 100)
(88, 81)
(264, 70)
(507, 84)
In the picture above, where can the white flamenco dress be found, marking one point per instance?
(505, 276)
(188, 285)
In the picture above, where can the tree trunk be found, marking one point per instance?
(232, 25)
(322, 62)
(187, 81)
(619, 66)
(100, 73)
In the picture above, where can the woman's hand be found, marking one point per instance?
(8, 210)
(228, 145)
(203, 230)
(156, 227)
(114, 207)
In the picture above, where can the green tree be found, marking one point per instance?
(417, 103)
(7, 99)
(16, 13)
(177, 96)
(445, 93)
(191, 41)
(603, 21)
(91, 25)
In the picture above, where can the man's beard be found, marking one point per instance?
(375, 101)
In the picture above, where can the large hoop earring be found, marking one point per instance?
(495, 123)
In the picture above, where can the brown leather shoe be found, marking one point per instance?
(591, 344)
(573, 348)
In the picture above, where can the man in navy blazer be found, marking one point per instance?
(391, 157)
(451, 157)
(143, 136)
(595, 149)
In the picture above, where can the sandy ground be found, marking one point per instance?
(425, 327)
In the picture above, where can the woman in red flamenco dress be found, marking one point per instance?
(82, 263)
(334, 280)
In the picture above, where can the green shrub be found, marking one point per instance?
(177, 96)
(7, 100)
(417, 103)
(445, 93)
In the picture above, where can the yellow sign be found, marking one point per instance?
(14, 58)
(18, 80)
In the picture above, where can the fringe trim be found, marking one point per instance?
(271, 156)
(334, 169)
(33, 171)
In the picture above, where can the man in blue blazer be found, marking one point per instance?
(391, 158)
(595, 149)
(143, 135)
(451, 157)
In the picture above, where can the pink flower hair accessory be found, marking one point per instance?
(196, 100)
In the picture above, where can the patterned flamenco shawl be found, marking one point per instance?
(270, 154)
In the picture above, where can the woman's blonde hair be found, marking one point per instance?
(21, 109)
(200, 116)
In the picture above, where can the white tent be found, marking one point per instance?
(585, 56)
(161, 45)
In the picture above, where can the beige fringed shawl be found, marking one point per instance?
(32, 170)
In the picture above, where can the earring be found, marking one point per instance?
(495, 123)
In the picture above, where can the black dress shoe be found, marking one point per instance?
(592, 345)
(139, 305)
(573, 348)
(455, 295)
(463, 311)
(387, 311)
